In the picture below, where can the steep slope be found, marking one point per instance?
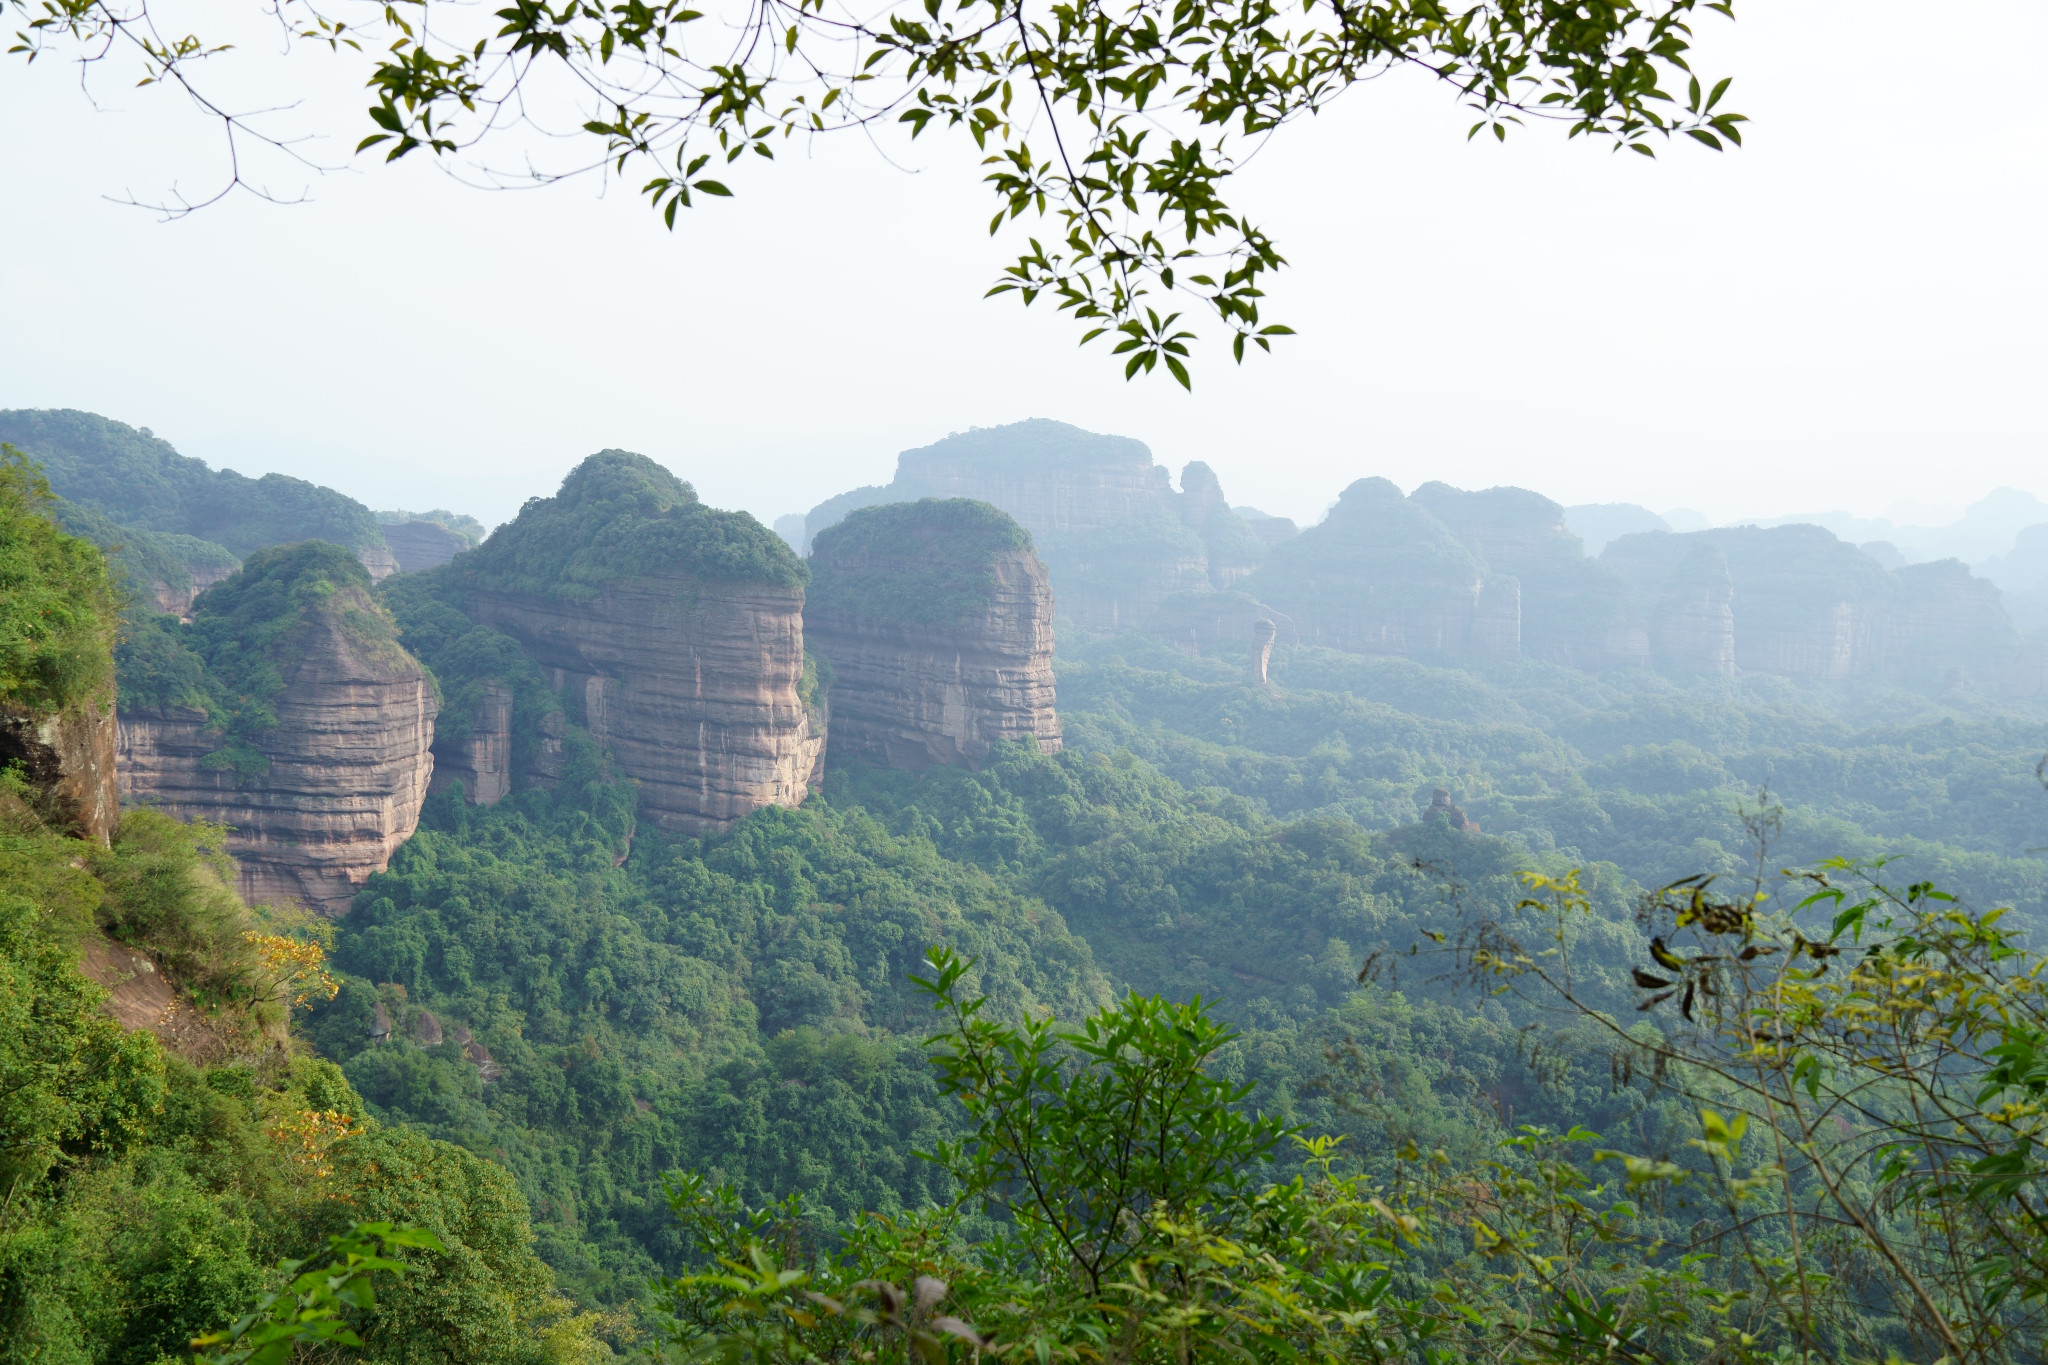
(1574, 610)
(1382, 575)
(289, 712)
(935, 619)
(58, 613)
(674, 629)
(137, 480)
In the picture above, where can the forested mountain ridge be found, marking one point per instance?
(136, 480)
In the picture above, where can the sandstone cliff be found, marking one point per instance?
(935, 620)
(420, 545)
(1574, 611)
(69, 754)
(1798, 602)
(674, 631)
(1382, 575)
(59, 613)
(1106, 521)
(308, 735)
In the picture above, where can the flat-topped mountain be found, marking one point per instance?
(289, 712)
(1115, 536)
(674, 631)
(935, 620)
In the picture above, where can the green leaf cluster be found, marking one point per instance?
(58, 609)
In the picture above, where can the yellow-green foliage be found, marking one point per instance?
(57, 607)
(144, 1199)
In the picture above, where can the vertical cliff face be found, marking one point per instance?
(1573, 610)
(1106, 522)
(480, 758)
(1695, 618)
(70, 755)
(308, 732)
(419, 545)
(674, 631)
(1381, 575)
(1797, 602)
(59, 613)
(935, 620)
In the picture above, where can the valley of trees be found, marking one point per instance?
(1416, 1008)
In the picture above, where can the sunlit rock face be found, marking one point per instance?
(675, 631)
(1382, 575)
(934, 621)
(323, 798)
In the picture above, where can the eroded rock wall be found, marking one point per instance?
(936, 622)
(70, 754)
(341, 776)
(694, 687)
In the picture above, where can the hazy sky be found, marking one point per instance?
(1849, 313)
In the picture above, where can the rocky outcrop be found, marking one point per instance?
(1263, 632)
(322, 783)
(335, 787)
(674, 630)
(1105, 520)
(935, 620)
(419, 545)
(177, 599)
(69, 755)
(1798, 602)
(481, 757)
(1573, 610)
(1442, 808)
(1382, 575)
(1695, 616)
(1208, 622)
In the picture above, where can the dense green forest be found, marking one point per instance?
(589, 1056)
(158, 1164)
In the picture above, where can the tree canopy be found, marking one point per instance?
(1114, 124)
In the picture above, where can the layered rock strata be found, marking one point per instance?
(936, 621)
(322, 799)
(70, 756)
(674, 631)
(1796, 601)
(481, 760)
(419, 545)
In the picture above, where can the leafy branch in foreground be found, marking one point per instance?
(308, 1311)
(1119, 123)
(1871, 1070)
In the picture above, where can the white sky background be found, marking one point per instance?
(1850, 312)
